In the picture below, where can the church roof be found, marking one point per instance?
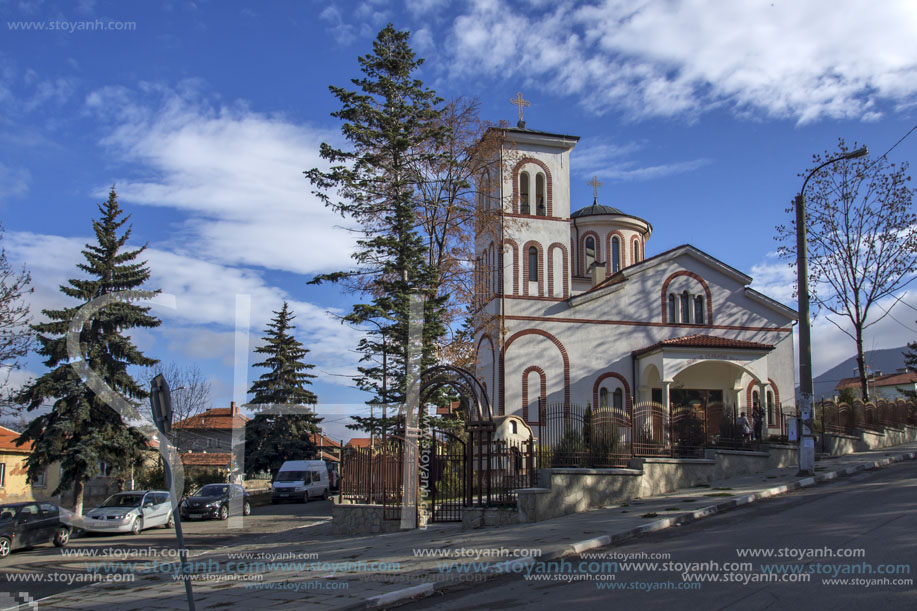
(533, 132)
(596, 209)
(704, 341)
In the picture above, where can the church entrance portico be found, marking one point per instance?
(703, 378)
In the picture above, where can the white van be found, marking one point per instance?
(300, 480)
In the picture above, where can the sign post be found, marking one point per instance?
(161, 405)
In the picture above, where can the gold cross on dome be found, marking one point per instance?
(595, 184)
(518, 101)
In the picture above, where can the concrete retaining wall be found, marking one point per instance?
(838, 444)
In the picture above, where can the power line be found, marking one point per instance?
(910, 131)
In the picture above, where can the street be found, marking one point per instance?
(820, 541)
(265, 525)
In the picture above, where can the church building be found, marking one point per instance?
(573, 307)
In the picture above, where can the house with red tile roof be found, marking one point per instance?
(209, 431)
(888, 386)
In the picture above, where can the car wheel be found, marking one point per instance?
(137, 526)
(61, 537)
(224, 512)
(325, 494)
(246, 508)
(4, 547)
(274, 501)
(305, 496)
(171, 522)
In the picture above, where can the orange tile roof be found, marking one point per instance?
(8, 443)
(214, 418)
(322, 440)
(706, 341)
(359, 442)
(889, 379)
(206, 459)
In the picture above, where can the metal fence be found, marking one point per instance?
(573, 436)
(576, 437)
(845, 418)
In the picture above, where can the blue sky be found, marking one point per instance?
(696, 115)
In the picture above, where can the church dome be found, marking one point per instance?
(594, 210)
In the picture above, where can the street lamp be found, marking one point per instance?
(806, 443)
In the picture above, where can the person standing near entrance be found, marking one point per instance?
(758, 421)
(744, 427)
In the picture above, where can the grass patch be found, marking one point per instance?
(651, 514)
(623, 511)
(672, 509)
(771, 477)
(719, 494)
(722, 488)
(702, 486)
(689, 500)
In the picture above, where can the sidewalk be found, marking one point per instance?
(309, 567)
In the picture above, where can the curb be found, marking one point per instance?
(512, 566)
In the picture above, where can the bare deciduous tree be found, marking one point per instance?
(16, 336)
(190, 390)
(862, 244)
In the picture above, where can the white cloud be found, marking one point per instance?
(238, 174)
(419, 8)
(13, 181)
(614, 161)
(804, 60)
(203, 323)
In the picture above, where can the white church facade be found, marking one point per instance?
(574, 308)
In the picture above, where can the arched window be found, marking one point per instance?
(524, 205)
(512, 427)
(539, 194)
(673, 311)
(699, 310)
(603, 398)
(636, 258)
(685, 308)
(754, 399)
(771, 413)
(618, 400)
(590, 253)
(533, 264)
(615, 255)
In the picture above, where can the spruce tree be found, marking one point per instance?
(270, 437)
(81, 429)
(393, 127)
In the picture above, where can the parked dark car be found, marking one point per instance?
(215, 501)
(32, 523)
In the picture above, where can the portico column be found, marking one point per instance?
(665, 394)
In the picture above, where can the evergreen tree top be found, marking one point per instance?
(287, 378)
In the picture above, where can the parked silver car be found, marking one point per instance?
(131, 512)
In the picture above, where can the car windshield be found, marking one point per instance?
(212, 490)
(8, 512)
(123, 500)
(291, 476)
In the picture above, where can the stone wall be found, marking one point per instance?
(347, 519)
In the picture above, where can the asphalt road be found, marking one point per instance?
(811, 532)
(61, 569)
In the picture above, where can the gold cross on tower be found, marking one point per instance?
(521, 103)
(595, 184)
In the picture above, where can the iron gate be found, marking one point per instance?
(442, 475)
